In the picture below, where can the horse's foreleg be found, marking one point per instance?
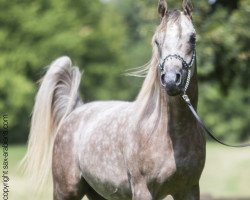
(141, 192)
(93, 195)
(191, 194)
(62, 192)
(139, 189)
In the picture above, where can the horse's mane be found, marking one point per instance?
(149, 98)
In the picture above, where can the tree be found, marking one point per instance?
(104, 38)
(224, 45)
(33, 33)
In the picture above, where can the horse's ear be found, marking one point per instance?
(162, 8)
(187, 7)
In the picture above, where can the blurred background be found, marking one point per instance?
(107, 37)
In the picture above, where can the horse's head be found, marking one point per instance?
(174, 40)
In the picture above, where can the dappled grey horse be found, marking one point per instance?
(142, 150)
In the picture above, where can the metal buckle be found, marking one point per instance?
(186, 98)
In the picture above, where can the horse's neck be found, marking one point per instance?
(179, 118)
(157, 111)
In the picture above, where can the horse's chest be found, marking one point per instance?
(177, 166)
(189, 164)
(181, 163)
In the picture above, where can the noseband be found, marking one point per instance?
(185, 65)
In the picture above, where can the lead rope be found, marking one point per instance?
(188, 102)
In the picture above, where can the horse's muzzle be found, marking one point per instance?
(173, 82)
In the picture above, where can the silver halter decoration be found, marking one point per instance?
(185, 65)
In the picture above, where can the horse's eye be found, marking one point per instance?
(192, 39)
(157, 43)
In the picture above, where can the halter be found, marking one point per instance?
(185, 65)
(188, 67)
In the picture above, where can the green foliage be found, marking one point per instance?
(104, 38)
(225, 41)
(33, 33)
(223, 60)
(228, 116)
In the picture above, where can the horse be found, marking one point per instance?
(146, 149)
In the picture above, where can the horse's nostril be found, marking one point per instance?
(163, 82)
(178, 79)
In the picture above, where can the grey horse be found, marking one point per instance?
(142, 150)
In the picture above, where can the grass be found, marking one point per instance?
(226, 174)
(19, 186)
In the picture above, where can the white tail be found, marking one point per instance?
(56, 99)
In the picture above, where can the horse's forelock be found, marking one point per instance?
(173, 15)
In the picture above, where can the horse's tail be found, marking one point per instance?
(57, 97)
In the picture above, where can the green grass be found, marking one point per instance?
(20, 189)
(226, 174)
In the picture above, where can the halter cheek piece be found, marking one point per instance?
(185, 65)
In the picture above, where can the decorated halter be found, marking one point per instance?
(185, 65)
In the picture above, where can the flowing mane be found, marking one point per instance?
(150, 95)
(150, 88)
